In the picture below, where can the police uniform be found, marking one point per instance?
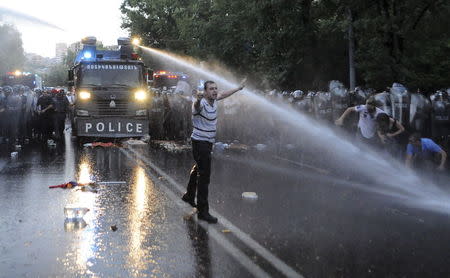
(61, 107)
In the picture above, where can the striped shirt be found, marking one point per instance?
(204, 121)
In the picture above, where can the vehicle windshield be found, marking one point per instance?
(112, 74)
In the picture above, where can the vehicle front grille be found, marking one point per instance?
(120, 108)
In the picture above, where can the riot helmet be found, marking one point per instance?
(297, 94)
(8, 90)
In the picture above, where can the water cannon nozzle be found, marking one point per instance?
(90, 40)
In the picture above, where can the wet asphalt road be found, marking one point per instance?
(303, 224)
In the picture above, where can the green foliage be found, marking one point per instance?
(56, 76)
(303, 43)
(69, 58)
(11, 50)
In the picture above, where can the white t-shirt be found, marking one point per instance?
(367, 122)
(204, 121)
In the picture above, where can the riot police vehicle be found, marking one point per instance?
(111, 94)
(167, 81)
(28, 79)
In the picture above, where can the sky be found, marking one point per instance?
(75, 19)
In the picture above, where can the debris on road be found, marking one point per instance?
(226, 231)
(250, 195)
(134, 142)
(114, 228)
(145, 138)
(238, 147)
(14, 154)
(102, 144)
(171, 146)
(70, 184)
(110, 182)
(88, 188)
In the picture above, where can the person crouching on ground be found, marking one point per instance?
(204, 120)
(421, 152)
(367, 120)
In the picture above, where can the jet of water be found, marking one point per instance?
(26, 17)
(390, 176)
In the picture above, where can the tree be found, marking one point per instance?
(56, 76)
(303, 43)
(11, 50)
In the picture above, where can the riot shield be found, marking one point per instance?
(419, 113)
(322, 106)
(400, 100)
(440, 116)
(304, 102)
(340, 98)
(384, 102)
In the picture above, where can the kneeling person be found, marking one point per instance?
(421, 151)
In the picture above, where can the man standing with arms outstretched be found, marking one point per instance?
(204, 120)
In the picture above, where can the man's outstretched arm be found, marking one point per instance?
(228, 93)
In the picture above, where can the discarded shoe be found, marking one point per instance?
(207, 217)
(188, 200)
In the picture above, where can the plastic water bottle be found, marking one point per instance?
(75, 212)
(250, 195)
(261, 147)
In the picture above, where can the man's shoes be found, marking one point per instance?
(207, 217)
(189, 200)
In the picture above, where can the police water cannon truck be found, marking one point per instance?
(111, 92)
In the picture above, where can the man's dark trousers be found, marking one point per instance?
(200, 174)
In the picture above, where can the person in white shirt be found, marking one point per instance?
(367, 124)
(204, 120)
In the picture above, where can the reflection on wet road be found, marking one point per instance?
(151, 238)
(301, 223)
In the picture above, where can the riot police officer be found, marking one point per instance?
(45, 112)
(61, 106)
(14, 110)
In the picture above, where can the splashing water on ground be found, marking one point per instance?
(385, 176)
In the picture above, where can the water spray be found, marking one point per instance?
(29, 18)
(394, 179)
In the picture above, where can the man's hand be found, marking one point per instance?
(199, 94)
(390, 135)
(383, 138)
(339, 122)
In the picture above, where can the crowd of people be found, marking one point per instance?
(32, 115)
(390, 120)
(386, 120)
